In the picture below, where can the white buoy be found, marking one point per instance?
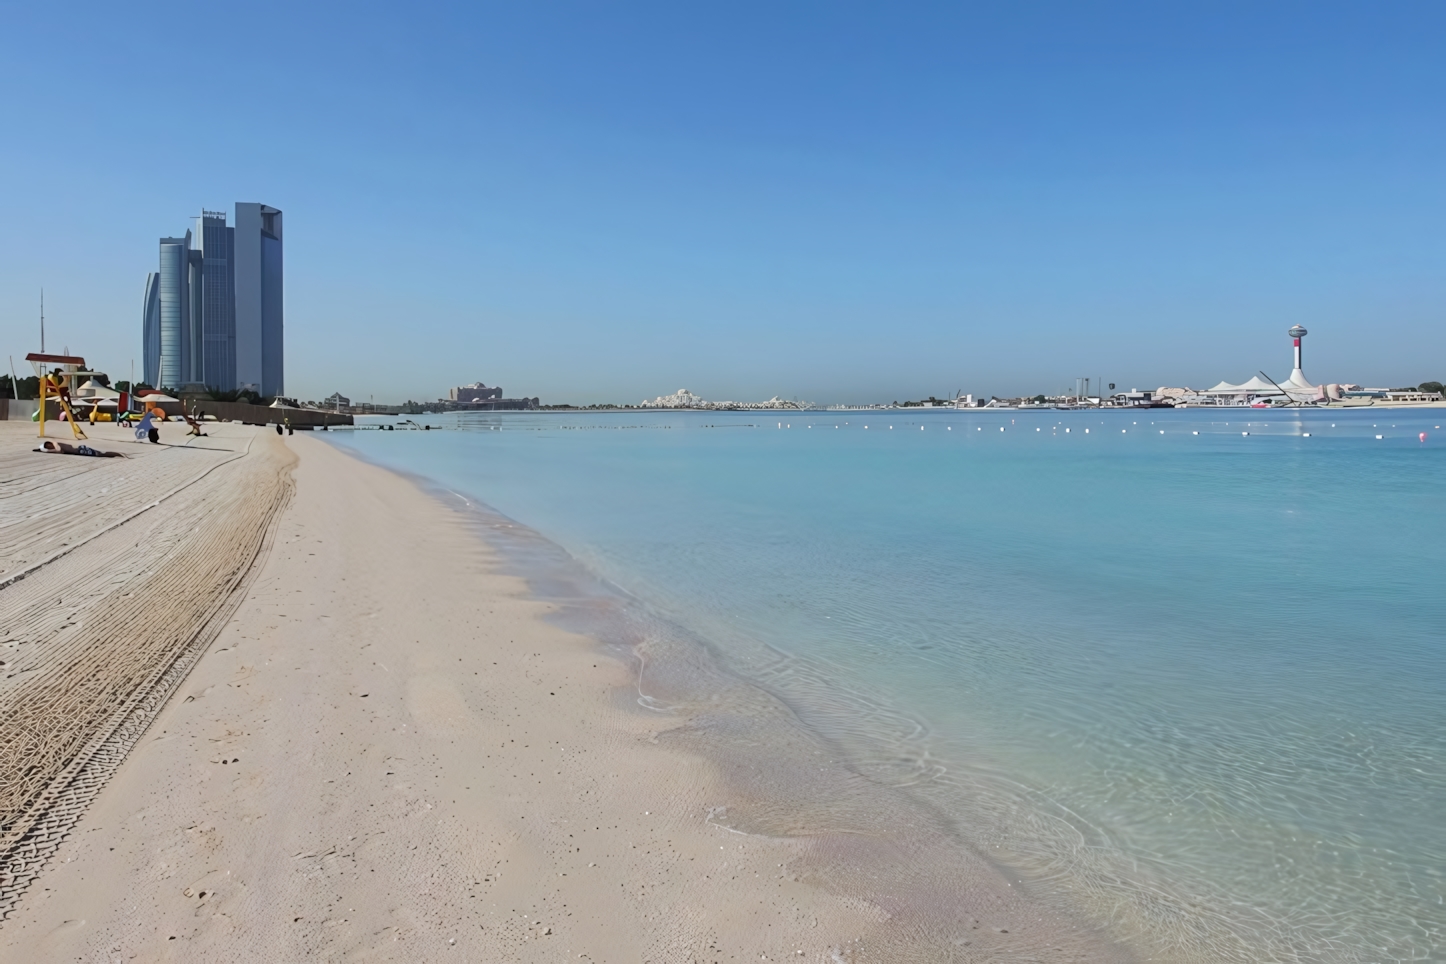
(1305, 435)
(1123, 431)
(1001, 428)
(1162, 431)
(921, 428)
(1194, 433)
(1087, 431)
(1380, 436)
(1244, 433)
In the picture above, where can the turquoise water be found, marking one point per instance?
(1191, 681)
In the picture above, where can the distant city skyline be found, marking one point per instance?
(845, 204)
(213, 312)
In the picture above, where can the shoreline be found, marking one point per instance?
(865, 841)
(378, 801)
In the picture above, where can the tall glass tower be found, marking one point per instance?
(260, 329)
(151, 331)
(218, 304)
(174, 368)
(213, 312)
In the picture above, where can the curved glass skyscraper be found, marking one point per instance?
(213, 313)
(175, 311)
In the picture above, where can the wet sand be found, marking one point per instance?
(390, 752)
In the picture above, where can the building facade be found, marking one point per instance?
(213, 312)
(475, 392)
(217, 350)
(151, 331)
(175, 311)
(260, 361)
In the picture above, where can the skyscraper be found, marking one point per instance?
(213, 312)
(259, 321)
(151, 331)
(218, 305)
(175, 311)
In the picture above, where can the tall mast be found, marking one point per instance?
(42, 321)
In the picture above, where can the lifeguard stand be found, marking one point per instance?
(71, 368)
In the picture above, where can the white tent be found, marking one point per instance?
(1256, 386)
(91, 389)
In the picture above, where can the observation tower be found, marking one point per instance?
(1297, 382)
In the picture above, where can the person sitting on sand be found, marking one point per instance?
(65, 448)
(146, 430)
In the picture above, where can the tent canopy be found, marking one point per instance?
(94, 389)
(1255, 386)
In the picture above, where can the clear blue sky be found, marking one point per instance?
(832, 200)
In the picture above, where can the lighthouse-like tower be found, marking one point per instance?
(1297, 382)
(1297, 333)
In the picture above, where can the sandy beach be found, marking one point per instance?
(372, 744)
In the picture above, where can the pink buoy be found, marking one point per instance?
(1423, 436)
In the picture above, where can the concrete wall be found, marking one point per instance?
(265, 415)
(22, 408)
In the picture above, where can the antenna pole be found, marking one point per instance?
(1288, 399)
(42, 321)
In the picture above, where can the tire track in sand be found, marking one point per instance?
(96, 672)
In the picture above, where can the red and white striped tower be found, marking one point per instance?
(1297, 382)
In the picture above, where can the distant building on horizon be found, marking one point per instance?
(213, 313)
(475, 392)
(478, 396)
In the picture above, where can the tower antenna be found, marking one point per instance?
(42, 321)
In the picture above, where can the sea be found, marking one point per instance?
(1185, 669)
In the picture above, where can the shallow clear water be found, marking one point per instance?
(1191, 681)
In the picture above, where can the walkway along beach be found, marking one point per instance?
(370, 744)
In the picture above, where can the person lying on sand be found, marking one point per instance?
(65, 448)
(195, 426)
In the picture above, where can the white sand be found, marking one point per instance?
(415, 768)
(386, 754)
